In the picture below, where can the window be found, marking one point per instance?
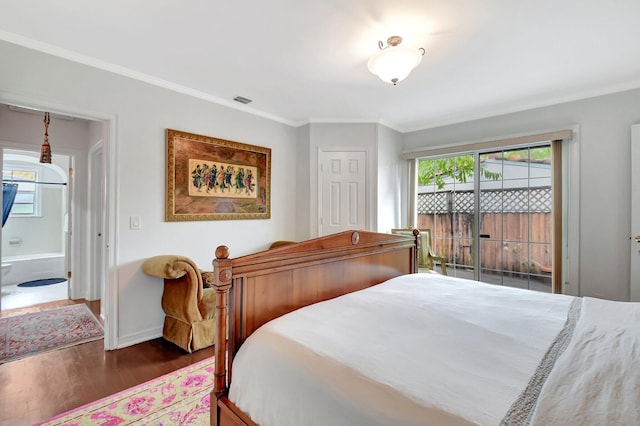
(26, 202)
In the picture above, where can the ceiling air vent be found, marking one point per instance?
(242, 100)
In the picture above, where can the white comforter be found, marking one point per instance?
(596, 381)
(418, 349)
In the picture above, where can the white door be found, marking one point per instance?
(343, 191)
(97, 226)
(635, 213)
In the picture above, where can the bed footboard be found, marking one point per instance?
(230, 415)
(254, 289)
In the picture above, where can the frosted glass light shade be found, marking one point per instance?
(394, 63)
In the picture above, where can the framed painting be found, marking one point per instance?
(216, 179)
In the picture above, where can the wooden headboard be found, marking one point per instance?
(254, 289)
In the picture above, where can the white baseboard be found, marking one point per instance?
(139, 337)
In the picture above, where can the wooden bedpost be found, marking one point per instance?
(416, 255)
(222, 282)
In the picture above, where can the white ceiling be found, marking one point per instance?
(305, 61)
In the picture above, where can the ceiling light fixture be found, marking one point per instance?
(393, 63)
(45, 150)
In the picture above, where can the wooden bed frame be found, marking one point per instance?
(254, 289)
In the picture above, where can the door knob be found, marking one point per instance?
(637, 238)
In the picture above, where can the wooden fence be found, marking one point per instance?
(510, 242)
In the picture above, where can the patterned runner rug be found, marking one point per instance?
(177, 398)
(36, 332)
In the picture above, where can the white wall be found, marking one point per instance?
(42, 233)
(142, 113)
(386, 193)
(392, 188)
(328, 136)
(302, 184)
(605, 169)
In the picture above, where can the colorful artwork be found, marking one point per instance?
(216, 179)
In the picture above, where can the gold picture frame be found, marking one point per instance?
(216, 179)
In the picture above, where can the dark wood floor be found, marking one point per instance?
(36, 388)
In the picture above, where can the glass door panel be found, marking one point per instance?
(462, 208)
(445, 206)
(515, 218)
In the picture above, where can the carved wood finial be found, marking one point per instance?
(222, 252)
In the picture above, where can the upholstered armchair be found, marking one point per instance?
(188, 301)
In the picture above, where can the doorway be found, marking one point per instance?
(492, 214)
(76, 134)
(35, 238)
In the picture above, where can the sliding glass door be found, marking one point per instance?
(490, 214)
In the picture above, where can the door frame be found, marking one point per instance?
(556, 208)
(570, 279)
(110, 298)
(96, 202)
(634, 249)
(71, 241)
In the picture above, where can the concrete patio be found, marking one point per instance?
(526, 281)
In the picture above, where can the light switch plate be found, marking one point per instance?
(134, 223)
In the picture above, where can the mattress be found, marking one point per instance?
(417, 349)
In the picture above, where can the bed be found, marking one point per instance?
(341, 330)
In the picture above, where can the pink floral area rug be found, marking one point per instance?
(36, 332)
(177, 398)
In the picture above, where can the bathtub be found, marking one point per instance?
(36, 266)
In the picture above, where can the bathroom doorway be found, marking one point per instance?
(35, 237)
(88, 222)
